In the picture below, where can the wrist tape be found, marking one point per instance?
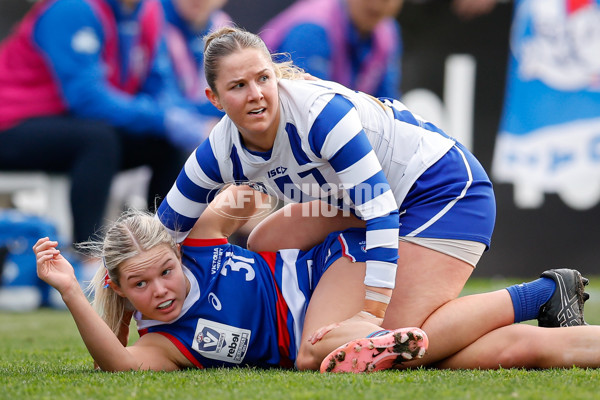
(375, 296)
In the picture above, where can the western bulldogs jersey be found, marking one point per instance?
(334, 144)
(245, 308)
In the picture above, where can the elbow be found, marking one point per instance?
(251, 241)
(257, 238)
(115, 368)
(118, 365)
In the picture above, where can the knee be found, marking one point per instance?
(108, 139)
(521, 352)
(101, 142)
(307, 359)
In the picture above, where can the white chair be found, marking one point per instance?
(42, 194)
(48, 195)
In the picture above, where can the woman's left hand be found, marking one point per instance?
(52, 267)
(361, 317)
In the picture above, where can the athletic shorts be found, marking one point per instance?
(350, 243)
(453, 199)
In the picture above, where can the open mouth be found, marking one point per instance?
(165, 304)
(258, 111)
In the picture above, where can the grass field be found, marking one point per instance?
(42, 357)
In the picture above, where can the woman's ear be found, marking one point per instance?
(116, 288)
(213, 98)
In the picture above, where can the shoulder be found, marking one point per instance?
(309, 97)
(311, 87)
(306, 39)
(303, 92)
(220, 139)
(214, 154)
(68, 14)
(74, 9)
(310, 30)
(65, 19)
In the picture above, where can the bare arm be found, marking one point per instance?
(228, 212)
(309, 224)
(104, 347)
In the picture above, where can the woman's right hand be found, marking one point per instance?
(52, 267)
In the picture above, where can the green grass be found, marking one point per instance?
(42, 357)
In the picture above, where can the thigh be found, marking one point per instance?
(454, 200)
(54, 144)
(155, 152)
(338, 296)
(425, 280)
(164, 160)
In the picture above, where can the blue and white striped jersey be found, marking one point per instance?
(333, 144)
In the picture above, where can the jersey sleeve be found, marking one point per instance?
(195, 187)
(71, 37)
(337, 136)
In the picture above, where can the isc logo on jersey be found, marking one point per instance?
(276, 171)
(221, 342)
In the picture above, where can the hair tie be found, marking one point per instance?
(106, 277)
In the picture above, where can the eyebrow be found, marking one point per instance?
(136, 275)
(236, 80)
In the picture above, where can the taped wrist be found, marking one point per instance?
(375, 296)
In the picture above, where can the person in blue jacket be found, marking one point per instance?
(188, 21)
(83, 91)
(353, 42)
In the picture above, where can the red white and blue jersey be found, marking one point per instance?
(333, 144)
(245, 308)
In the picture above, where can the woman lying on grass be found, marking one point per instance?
(213, 304)
(205, 304)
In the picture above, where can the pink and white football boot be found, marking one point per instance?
(388, 350)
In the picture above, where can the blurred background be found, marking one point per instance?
(454, 72)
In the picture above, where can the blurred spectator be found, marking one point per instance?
(549, 139)
(354, 42)
(468, 9)
(188, 21)
(82, 92)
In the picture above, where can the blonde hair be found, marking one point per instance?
(133, 233)
(229, 39)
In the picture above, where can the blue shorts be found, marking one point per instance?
(453, 199)
(350, 243)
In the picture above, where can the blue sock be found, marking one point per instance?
(528, 297)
